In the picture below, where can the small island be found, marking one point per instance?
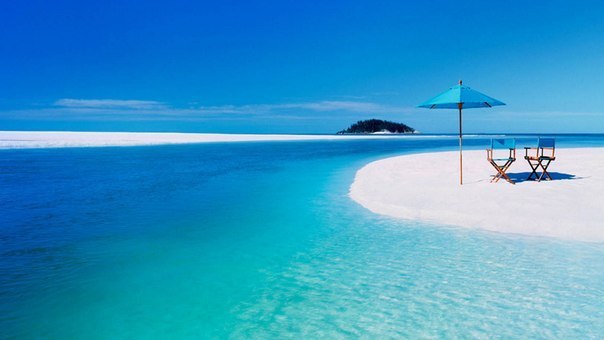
(377, 126)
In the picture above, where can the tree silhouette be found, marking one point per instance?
(377, 125)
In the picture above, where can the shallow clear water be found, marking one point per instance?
(261, 240)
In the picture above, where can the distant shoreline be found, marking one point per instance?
(63, 139)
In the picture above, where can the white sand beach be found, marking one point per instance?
(57, 139)
(426, 187)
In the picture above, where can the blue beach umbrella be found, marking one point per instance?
(460, 97)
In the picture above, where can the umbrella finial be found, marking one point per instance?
(459, 81)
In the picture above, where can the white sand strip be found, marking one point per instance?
(426, 187)
(57, 139)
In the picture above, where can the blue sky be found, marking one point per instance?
(298, 66)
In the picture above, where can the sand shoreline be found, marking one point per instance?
(425, 187)
(60, 139)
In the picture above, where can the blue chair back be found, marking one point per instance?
(548, 143)
(503, 143)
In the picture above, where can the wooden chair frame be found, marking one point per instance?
(502, 168)
(541, 160)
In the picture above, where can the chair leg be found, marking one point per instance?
(501, 169)
(545, 173)
(534, 168)
(500, 173)
(504, 170)
(496, 176)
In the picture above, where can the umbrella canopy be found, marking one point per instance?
(463, 95)
(460, 97)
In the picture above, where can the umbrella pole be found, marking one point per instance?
(460, 143)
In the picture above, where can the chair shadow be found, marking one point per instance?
(520, 177)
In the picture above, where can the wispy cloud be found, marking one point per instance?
(353, 106)
(317, 106)
(110, 104)
(117, 109)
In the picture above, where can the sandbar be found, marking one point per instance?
(426, 187)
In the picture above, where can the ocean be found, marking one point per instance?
(260, 240)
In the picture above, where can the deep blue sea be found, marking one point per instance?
(260, 240)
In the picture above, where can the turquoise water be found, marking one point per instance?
(261, 240)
